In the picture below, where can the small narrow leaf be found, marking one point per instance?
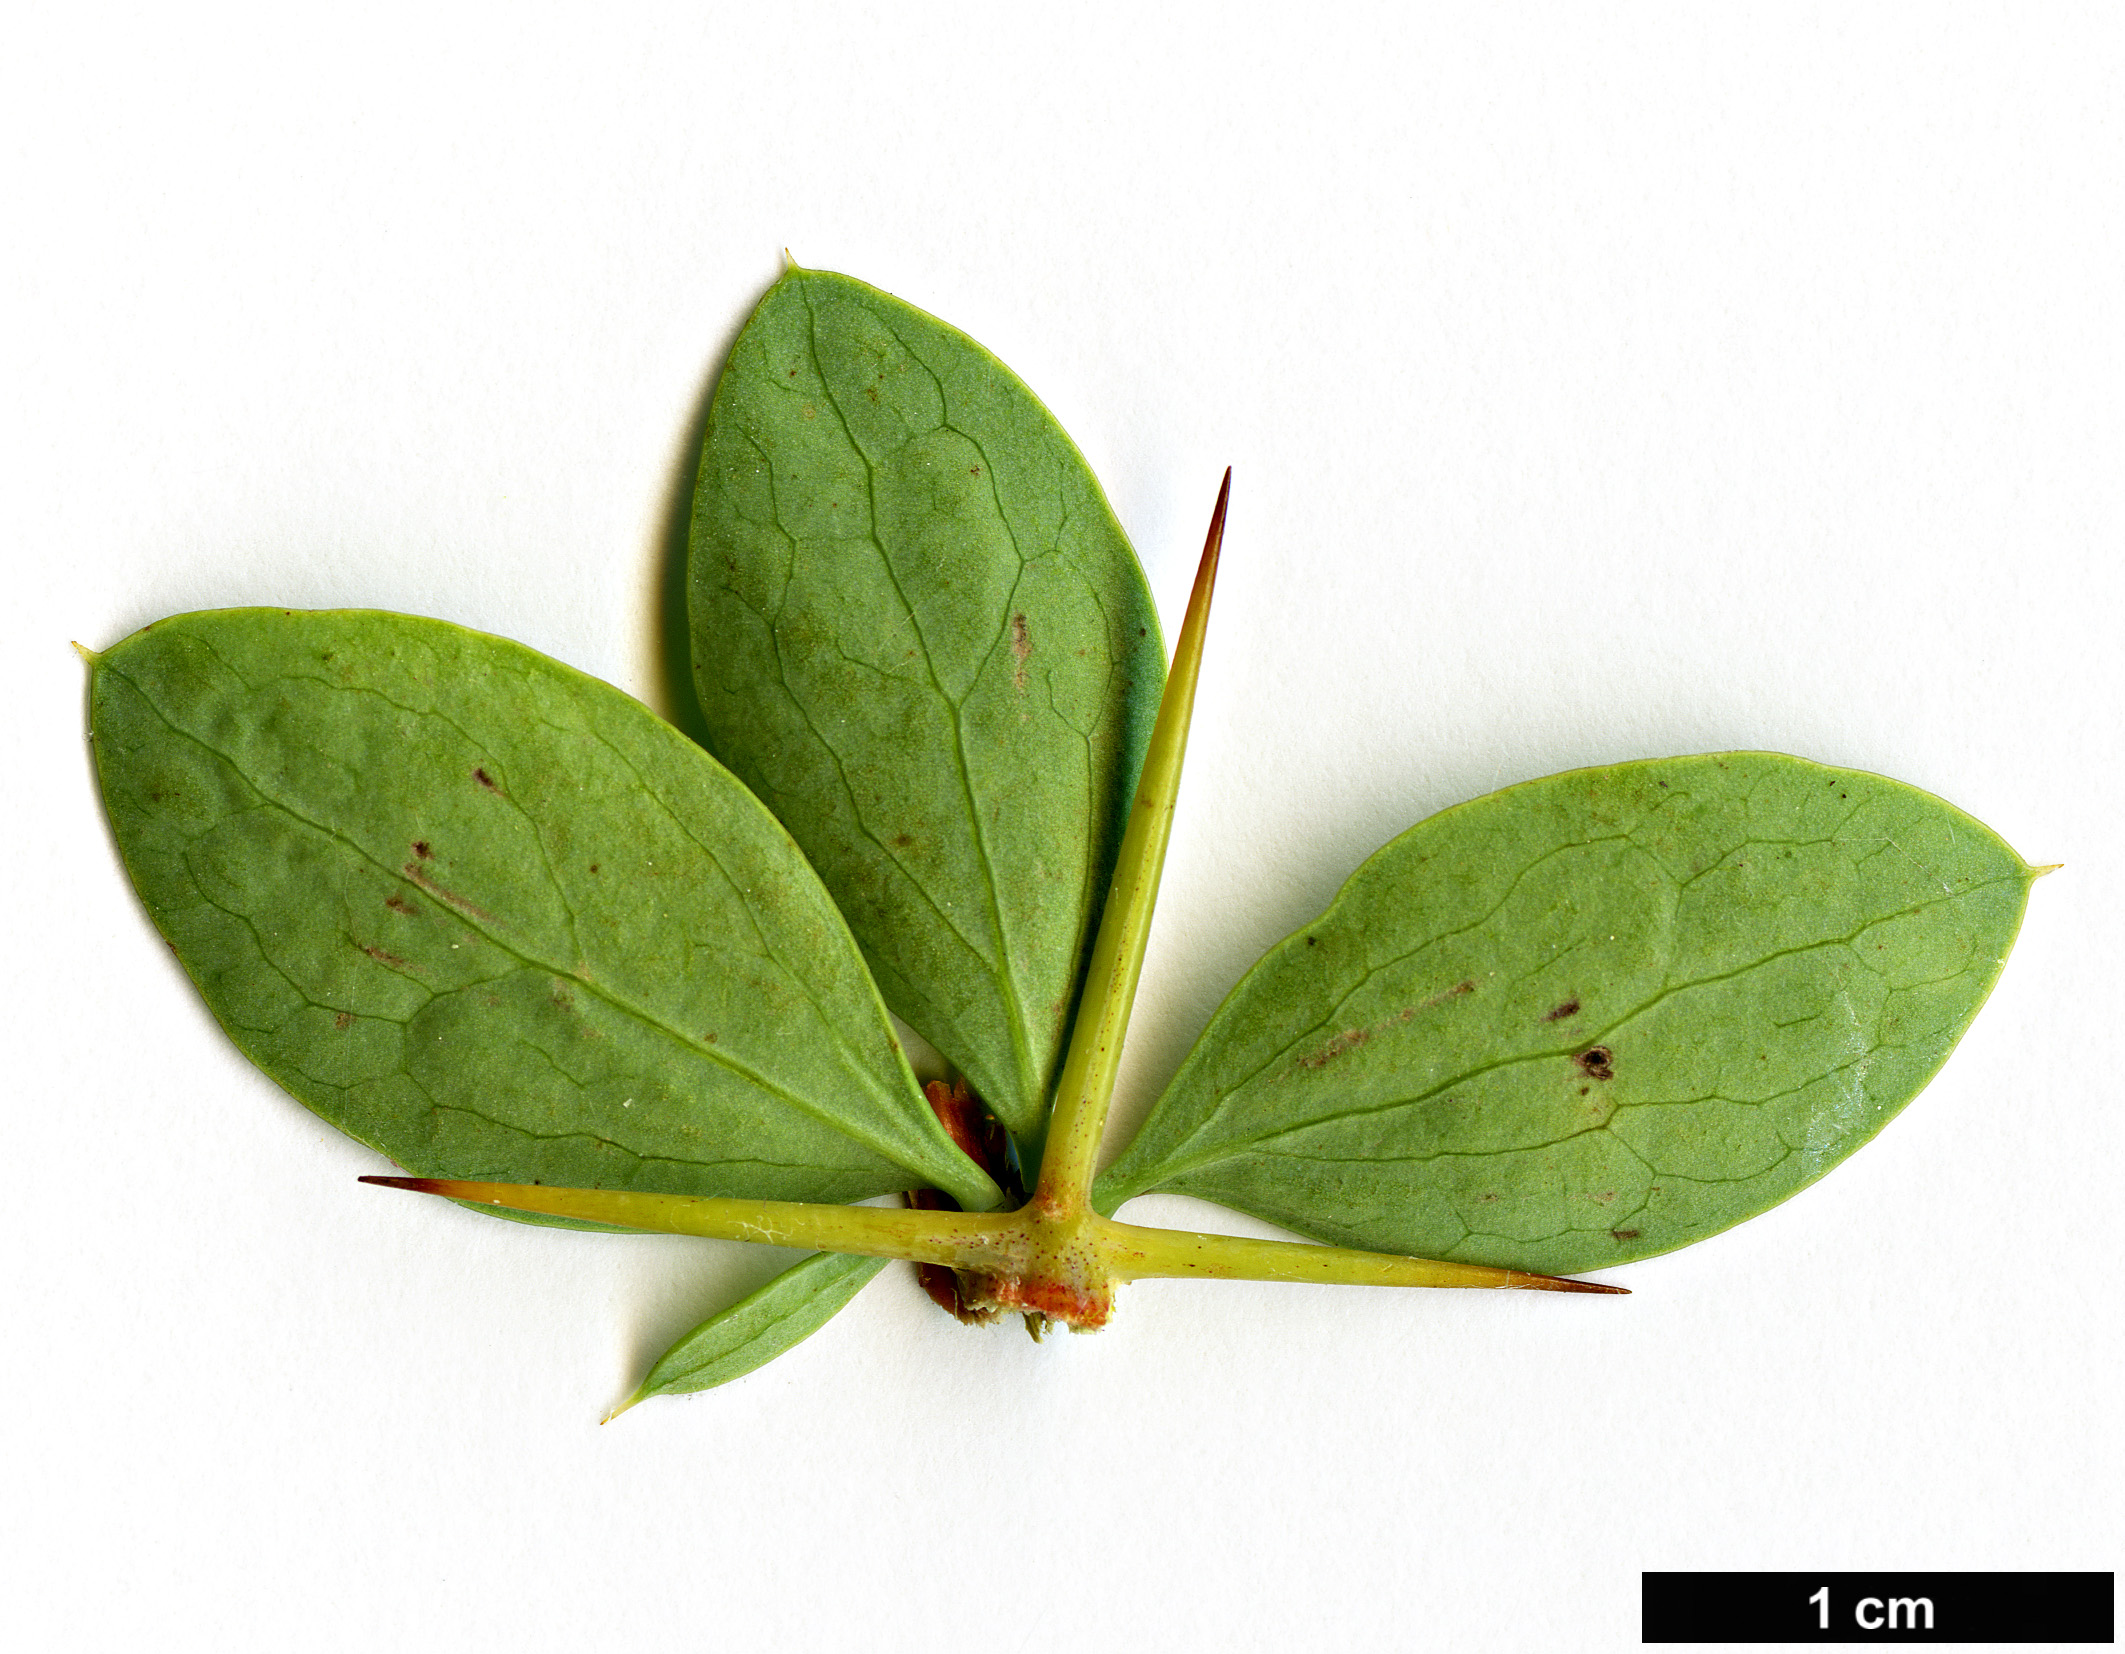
(1594, 1017)
(921, 637)
(495, 918)
(756, 1329)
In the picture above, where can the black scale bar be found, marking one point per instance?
(1878, 1607)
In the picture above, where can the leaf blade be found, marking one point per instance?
(1594, 1017)
(759, 1327)
(922, 638)
(415, 871)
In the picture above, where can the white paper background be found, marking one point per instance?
(1599, 382)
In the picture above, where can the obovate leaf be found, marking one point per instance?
(1594, 1017)
(495, 918)
(756, 1329)
(922, 638)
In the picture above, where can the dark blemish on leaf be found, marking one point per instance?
(485, 780)
(973, 470)
(1487, 1199)
(1021, 646)
(343, 1021)
(1140, 631)
(793, 373)
(1623, 1234)
(902, 840)
(1349, 1040)
(709, 1039)
(1583, 1090)
(1309, 941)
(420, 849)
(1599, 1062)
(398, 904)
(593, 867)
(1663, 783)
(1570, 1008)
(449, 898)
(381, 957)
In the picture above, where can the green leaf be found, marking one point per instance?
(495, 918)
(921, 637)
(753, 1331)
(1594, 1017)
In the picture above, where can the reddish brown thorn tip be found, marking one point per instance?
(1558, 1283)
(1215, 539)
(419, 1185)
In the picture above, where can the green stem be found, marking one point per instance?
(1064, 1266)
(981, 1241)
(1087, 1083)
(1134, 1254)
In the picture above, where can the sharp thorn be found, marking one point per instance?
(419, 1185)
(1214, 541)
(1561, 1283)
